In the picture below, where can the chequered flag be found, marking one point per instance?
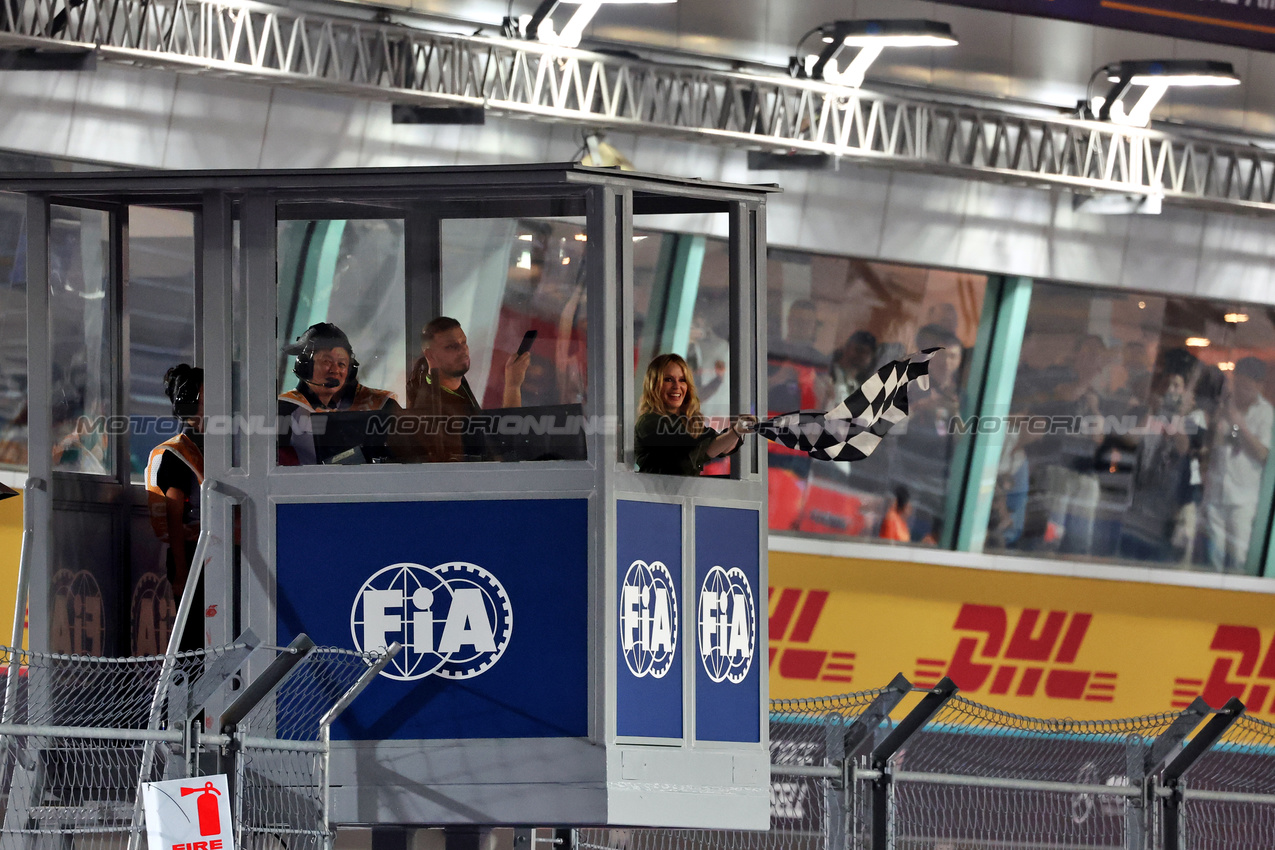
(852, 429)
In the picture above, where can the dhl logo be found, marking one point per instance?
(1235, 673)
(792, 621)
(1040, 654)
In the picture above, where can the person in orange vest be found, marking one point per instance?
(895, 524)
(174, 473)
(328, 382)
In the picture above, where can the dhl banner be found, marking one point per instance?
(10, 556)
(1046, 646)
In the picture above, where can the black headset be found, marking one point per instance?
(320, 336)
(182, 384)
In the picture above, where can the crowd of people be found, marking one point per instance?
(1161, 464)
(1124, 449)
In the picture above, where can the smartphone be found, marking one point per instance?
(527, 339)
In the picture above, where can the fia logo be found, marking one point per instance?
(453, 620)
(648, 619)
(727, 624)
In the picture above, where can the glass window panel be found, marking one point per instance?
(13, 332)
(1139, 430)
(511, 284)
(502, 278)
(833, 322)
(81, 309)
(682, 307)
(161, 311)
(348, 274)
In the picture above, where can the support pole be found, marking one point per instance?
(1210, 734)
(856, 735)
(882, 789)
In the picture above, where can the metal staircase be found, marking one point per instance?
(283, 46)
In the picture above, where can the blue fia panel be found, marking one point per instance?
(489, 598)
(728, 616)
(650, 613)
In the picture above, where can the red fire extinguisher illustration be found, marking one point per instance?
(206, 806)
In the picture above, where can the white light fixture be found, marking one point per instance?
(1197, 342)
(1236, 318)
(1227, 366)
(538, 26)
(1156, 77)
(870, 37)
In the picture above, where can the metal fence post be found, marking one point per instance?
(1144, 761)
(882, 788)
(1171, 805)
(852, 741)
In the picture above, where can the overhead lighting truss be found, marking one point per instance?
(519, 78)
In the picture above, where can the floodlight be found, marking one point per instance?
(871, 37)
(538, 26)
(1156, 77)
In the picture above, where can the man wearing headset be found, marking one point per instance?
(328, 374)
(174, 473)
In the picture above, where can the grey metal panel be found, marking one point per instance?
(203, 109)
(1050, 61)
(979, 63)
(1259, 103)
(1237, 259)
(1163, 254)
(39, 420)
(258, 249)
(1084, 247)
(214, 321)
(432, 781)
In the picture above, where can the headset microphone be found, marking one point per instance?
(320, 337)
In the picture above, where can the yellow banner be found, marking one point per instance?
(10, 555)
(1047, 646)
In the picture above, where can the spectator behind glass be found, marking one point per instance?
(1160, 524)
(1064, 485)
(894, 525)
(174, 473)
(438, 390)
(1241, 444)
(670, 435)
(852, 364)
(328, 381)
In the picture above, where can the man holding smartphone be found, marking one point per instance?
(437, 387)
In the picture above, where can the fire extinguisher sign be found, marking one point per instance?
(188, 814)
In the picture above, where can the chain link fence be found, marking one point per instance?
(894, 768)
(978, 777)
(79, 735)
(282, 769)
(1228, 797)
(944, 773)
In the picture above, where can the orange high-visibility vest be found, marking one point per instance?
(187, 452)
(365, 398)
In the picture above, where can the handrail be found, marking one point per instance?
(206, 489)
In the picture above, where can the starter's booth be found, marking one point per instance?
(582, 643)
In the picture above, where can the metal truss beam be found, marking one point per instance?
(522, 79)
